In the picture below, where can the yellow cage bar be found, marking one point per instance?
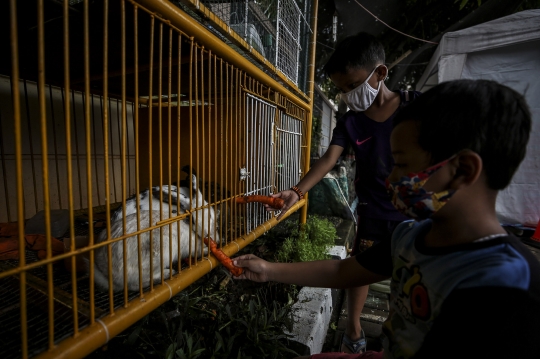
(130, 129)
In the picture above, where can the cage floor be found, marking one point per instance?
(37, 307)
(37, 303)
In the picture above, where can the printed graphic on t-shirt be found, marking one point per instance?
(415, 293)
(411, 312)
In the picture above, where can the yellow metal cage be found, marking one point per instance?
(100, 101)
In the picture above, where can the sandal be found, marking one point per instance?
(355, 347)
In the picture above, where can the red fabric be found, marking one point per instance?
(9, 248)
(9, 245)
(38, 242)
(370, 354)
(9, 229)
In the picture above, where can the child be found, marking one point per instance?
(357, 69)
(460, 286)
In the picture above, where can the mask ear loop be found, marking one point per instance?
(444, 162)
(379, 87)
(431, 170)
(370, 75)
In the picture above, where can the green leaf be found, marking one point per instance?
(198, 351)
(219, 342)
(181, 354)
(170, 351)
(463, 3)
(224, 326)
(134, 335)
(244, 323)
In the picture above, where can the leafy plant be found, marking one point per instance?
(221, 318)
(207, 320)
(309, 242)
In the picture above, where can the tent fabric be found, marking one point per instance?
(523, 26)
(519, 27)
(506, 50)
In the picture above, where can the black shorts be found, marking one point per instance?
(370, 231)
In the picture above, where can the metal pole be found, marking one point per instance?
(311, 85)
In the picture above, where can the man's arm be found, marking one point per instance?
(346, 273)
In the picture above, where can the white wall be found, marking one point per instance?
(56, 148)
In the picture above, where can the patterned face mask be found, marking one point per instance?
(410, 198)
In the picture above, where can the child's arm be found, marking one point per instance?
(346, 273)
(314, 175)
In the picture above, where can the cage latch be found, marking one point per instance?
(244, 173)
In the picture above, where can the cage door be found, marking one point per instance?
(288, 151)
(260, 117)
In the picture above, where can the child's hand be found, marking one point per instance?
(255, 268)
(289, 196)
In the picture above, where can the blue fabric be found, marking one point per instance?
(370, 141)
(423, 278)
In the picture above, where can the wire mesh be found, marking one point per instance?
(278, 30)
(10, 331)
(183, 5)
(288, 38)
(252, 20)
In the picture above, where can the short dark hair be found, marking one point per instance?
(358, 51)
(480, 115)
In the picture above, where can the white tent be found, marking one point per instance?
(506, 50)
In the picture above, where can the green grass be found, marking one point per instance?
(309, 242)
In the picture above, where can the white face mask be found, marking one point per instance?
(362, 96)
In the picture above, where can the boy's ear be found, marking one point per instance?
(468, 168)
(382, 72)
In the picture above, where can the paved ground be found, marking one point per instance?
(374, 314)
(375, 310)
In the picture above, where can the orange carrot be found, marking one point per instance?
(277, 203)
(222, 257)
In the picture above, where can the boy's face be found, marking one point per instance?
(352, 78)
(409, 157)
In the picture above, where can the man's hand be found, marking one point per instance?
(255, 268)
(289, 196)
